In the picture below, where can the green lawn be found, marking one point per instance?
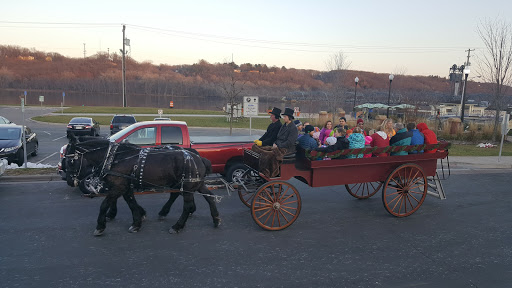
(472, 150)
(135, 110)
(257, 123)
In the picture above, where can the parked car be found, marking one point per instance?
(83, 126)
(224, 152)
(119, 122)
(4, 120)
(11, 143)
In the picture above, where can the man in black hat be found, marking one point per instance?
(271, 135)
(288, 133)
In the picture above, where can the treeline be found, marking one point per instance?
(22, 68)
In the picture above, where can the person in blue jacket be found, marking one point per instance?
(307, 142)
(401, 138)
(417, 137)
(356, 140)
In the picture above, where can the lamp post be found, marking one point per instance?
(355, 96)
(391, 76)
(466, 73)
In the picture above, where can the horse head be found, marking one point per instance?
(83, 157)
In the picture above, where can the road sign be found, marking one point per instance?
(160, 111)
(296, 109)
(25, 93)
(251, 105)
(41, 98)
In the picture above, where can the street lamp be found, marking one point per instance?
(466, 73)
(391, 76)
(355, 96)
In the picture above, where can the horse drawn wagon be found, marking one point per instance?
(405, 181)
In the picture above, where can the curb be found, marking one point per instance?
(30, 178)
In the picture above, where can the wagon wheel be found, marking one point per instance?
(405, 190)
(363, 190)
(276, 205)
(251, 180)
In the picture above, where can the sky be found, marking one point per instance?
(410, 37)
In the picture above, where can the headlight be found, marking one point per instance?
(11, 148)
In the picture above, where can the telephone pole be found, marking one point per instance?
(124, 68)
(84, 50)
(469, 51)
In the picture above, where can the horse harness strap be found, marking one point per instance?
(109, 159)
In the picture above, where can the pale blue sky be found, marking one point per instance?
(424, 37)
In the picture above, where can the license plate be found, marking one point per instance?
(79, 127)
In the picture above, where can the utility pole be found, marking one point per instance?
(469, 51)
(124, 68)
(84, 50)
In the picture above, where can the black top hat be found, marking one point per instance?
(288, 112)
(276, 112)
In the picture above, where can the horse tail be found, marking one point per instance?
(207, 165)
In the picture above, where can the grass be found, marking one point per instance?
(135, 110)
(257, 123)
(30, 171)
(472, 150)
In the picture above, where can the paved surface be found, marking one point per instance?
(338, 241)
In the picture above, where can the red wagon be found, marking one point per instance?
(405, 181)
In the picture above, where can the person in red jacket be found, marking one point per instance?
(430, 136)
(380, 139)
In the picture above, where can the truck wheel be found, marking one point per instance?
(235, 170)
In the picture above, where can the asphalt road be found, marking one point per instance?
(53, 136)
(338, 241)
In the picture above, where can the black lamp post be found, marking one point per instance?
(355, 96)
(466, 73)
(391, 76)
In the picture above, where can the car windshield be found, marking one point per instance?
(124, 119)
(10, 133)
(80, 121)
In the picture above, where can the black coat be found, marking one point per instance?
(270, 136)
(341, 144)
(287, 137)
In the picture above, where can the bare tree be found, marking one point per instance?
(231, 87)
(495, 61)
(337, 64)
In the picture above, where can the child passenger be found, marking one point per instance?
(356, 140)
(340, 144)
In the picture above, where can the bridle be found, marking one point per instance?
(75, 156)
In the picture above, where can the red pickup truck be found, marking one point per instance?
(225, 152)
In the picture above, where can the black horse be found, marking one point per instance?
(125, 167)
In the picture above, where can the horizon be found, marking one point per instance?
(275, 34)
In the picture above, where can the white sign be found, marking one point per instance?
(160, 111)
(41, 98)
(251, 105)
(296, 109)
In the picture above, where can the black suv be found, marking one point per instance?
(119, 122)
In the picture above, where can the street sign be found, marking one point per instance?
(25, 93)
(41, 98)
(296, 109)
(160, 111)
(251, 105)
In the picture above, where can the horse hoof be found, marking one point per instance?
(143, 217)
(161, 217)
(133, 229)
(98, 232)
(216, 222)
(173, 231)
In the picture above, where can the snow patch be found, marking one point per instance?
(30, 165)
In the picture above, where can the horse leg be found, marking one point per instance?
(167, 206)
(138, 213)
(102, 219)
(188, 206)
(112, 211)
(213, 207)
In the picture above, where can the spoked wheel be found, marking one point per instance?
(363, 190)
(276, 205)
(248, 184)
(405, 190)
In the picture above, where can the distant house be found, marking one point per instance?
(471, 110)
(26, 58)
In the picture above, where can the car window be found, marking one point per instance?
(171, 135)
(144, 136)
(80, 120)
(124, 119)
(3, 120)
(10, 133)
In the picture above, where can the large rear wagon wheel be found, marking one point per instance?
(363, 190)
(276, 205)
(405, 190)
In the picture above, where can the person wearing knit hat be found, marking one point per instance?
(360, 124)
(307, 142)
(299, 126)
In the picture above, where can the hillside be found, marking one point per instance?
(96, 80)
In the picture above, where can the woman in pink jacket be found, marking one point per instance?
(326, 132)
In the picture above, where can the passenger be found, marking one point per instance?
(387, 127)
(326, 132)
(316, 135)
(380, 139)
(430, 136)
(307, 142)
(341, 143)
(360, 124)
(417, 137)
(273, 128)
(343, 124)
(356, 140)
(299, 126)
(367, 144)
(402, 138)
